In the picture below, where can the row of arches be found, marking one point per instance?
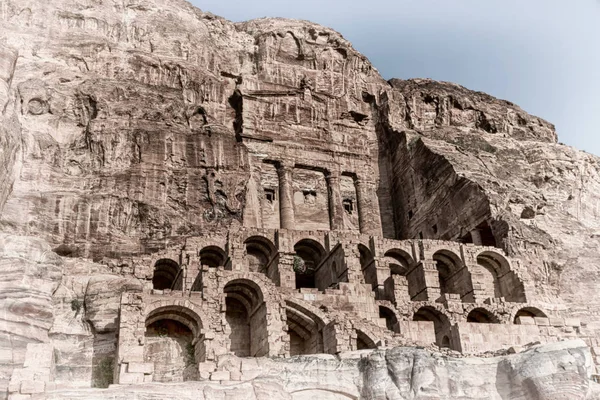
(174, 334)
(442, 323)
(491, 275)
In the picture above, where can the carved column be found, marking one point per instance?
(336, 210)
(368, 207)
(286, 196)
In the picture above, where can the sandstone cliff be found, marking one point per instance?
(128, 126)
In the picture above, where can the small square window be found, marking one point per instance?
(270, 195)
(310, 197)
(348, 206)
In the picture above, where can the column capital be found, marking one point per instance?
(285, 164)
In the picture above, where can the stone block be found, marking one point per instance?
(204, 375)
(525, 320)
(131, 378)
(14, 386)
(208, 366)
(18, 396)
(554, 321)
(543, 321)
(39, 355)
(220, 376)
(32, 387)
(235, 375)
(572, 322)
(144, 368)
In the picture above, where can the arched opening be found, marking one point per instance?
(391, 321)
(339, 273)
(309, 255)
(213, 256)
(497, 278)
(445, 342)
(453, 277)
(367, 265)
(441, 324)
(260, 252)
(364, 342)
(399, 261)
(482, 316)
(171, 345)
(246, 316)
(304, 330)
(482, 235)
(528, 312)
(167, 275)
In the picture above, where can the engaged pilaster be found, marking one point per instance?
(336, 208)
(286, 195)
(368, 207)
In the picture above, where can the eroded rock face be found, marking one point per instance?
(544, 372)
(503, 172)
(128, 127)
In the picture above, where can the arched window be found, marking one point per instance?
(399, 261)
(363, 341)
(498, 279)
(213, 256)
(483, 316)
(367, 265)
(454, 278)
(528, 312)
(246, 316)
(309, 254)
(305, 331)
(391, 321)
(171, 345)
(441, 323)
(167, 275)
(260, 251)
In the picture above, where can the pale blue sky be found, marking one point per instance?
(543, 55)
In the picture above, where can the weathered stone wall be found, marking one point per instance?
(283, 194)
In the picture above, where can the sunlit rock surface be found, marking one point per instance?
(129, 127)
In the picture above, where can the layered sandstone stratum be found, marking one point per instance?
(186, 203)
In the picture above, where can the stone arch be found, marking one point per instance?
(309, 255)
(260, 251)
(454, 278)
(483, 316)
(391, 319)
(499, 280)
(305, 329)
(527, 312)
(367, 265)
(441, 323)
(246, 317)
(213, 256)
(174, 343)
(399, 261)
(364, 340)
(167, 275)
